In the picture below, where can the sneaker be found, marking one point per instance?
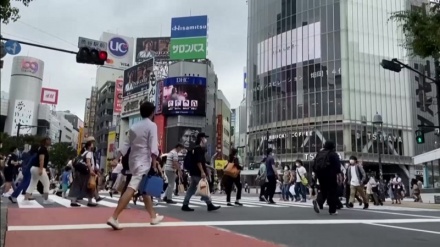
(366, 206)
(156, 220)
(186, 208)
(212, 207)
(238, 203)
(113, 223)
(335, 213)
(12, 199)
(48, 202)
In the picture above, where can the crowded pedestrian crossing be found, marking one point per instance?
(248, 203)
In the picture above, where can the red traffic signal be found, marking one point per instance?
(91, 56)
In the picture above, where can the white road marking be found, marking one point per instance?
(404, 228)
(139, 203)
(28, 204)
(62, 201)
(393, 213)
(222, 223)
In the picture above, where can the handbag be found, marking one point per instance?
(181, 187)
(80, 165)
(91, 184)
(152, 186)
(231, 170)
(203, 188)
(304, 180)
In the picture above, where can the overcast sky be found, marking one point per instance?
(60, 23)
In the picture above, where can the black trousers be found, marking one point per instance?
(271, 186)
(229, 183)
(263, 190)
(176, 190)
(328, 192)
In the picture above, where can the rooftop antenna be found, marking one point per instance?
(189, 12)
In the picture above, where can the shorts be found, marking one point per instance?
(9, 175)
(64, 187)
(136, 181)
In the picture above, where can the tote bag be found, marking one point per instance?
(231, 170)
(152, 186)
(203, 188)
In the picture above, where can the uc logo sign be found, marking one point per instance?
(29, 66)
(118, 47)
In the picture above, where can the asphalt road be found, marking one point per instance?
(297, 225)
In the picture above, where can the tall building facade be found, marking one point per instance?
(313, 75)
(223, 125)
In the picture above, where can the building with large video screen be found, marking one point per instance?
(313, 75)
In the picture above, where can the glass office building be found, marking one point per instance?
(314, 75)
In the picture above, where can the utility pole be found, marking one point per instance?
(59, 136)
(18, 129)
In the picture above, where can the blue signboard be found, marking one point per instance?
(12, 47)
(189, 27)
(185, 95)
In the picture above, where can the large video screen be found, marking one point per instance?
(138, 78)
(184, 95)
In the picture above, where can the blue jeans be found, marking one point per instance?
(285, 191)
(192, 190)
(300, 191)
(24, 183)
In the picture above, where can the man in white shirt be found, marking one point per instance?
(356, 177)
(143, 144)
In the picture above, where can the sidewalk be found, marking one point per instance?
(406, 204)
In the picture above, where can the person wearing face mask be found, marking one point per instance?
(198, 171)
(357, 178)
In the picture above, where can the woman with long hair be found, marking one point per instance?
(229, 181)
(79, 187)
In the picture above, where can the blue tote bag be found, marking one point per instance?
(152, 186)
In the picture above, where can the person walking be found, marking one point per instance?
(172, 171)
(230, 181)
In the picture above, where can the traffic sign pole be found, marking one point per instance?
(41, 46)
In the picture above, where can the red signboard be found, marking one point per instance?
(49, 96)
(219, 136)
(117, 101)
(160, 121)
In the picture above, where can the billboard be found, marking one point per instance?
(49, 96)
(117, 101)
(138, 77)
(184, 95)
(120, 50)
(130, 106)
(190, 26)
(219, 136)
(188, 48)
(111, 145)
(184, 135)
(28, 66)
(157, 48)
(23, 114)
(291, 47)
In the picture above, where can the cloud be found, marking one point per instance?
(60, 23)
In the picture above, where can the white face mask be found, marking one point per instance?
(352, 162)
(286, 168)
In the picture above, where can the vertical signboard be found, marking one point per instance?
(111, 148)
(219, 136)
(160, 122)
(117, 101)
(188, 37)
(159, 96)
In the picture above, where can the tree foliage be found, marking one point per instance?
(9, 13)
(19, 142)
(421, 27)
(60, 153)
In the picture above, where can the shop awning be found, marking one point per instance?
(427, 157)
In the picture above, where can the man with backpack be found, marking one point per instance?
(327, 167)
(195, 164)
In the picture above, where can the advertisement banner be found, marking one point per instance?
(117, 101)
(160, 122)
(49, 96)
(120, 50)
(23, 114)
(186, 136)
(220, 164)
(190, 26)
(138, 78)
(219, 136)
(28, 66)
(131, 106)
(188, 48)
(184, 95)
(159, 96)
(157, 48)
(111, 145)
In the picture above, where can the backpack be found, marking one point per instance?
(321, 161)
(124, 161)
(79, 164)
(188, 160)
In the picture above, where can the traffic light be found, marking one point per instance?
(91, 56)
(390, 65)
(420, 137)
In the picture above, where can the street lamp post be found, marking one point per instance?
(377, 121)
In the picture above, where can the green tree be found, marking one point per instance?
(421, 27)
(12, 141)
(60, 154)
(9, 13)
